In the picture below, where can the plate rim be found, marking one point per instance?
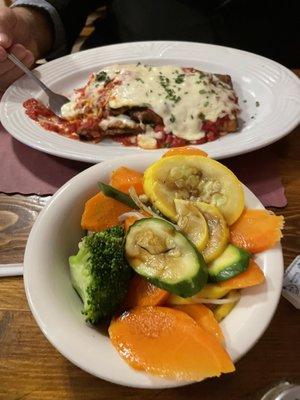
(82, 154)
(51, 338)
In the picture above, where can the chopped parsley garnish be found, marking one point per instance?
(201, 116)
(172, 118)
(202, 91)
(139, 80)
(138, 64)
(257, 103)
(180, 78)
(186, 92)
(201, 74)
(252, 116)
(206, 104)
(171, 95)
(192, 117)
(102, 77)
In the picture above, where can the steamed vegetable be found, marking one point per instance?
(116, 194)
(204, 318)
(257, 230)
(252, 276)
(124, 178)
(192, 222)
(100, 273)
(185, 151)
(168, 343)
(230, 263)
(218, 231)
(165, 257)
(193, 178)
(221, 311)
(143, 293)
(102, 211)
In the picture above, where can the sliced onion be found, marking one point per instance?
(216, 301)
(126, 215)
(140, 204)
(134, 196)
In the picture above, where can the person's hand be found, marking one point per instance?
(26, 33)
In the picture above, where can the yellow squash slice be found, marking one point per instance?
(221, 311)
(192, 222)
(218, 232)
(193, 178)
(210, 291)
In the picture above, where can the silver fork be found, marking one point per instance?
(56, 101)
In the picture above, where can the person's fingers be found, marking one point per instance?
(14, 73)
(19, 51)
(3, 54)
(5, 39)
(7, 25)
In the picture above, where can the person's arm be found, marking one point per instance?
(67, 16)
(49, 16)
(32, 29)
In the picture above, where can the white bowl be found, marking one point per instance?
(57, 308)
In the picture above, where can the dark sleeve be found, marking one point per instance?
(73, 14)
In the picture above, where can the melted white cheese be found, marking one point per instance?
(68, 111)
(181, 98)
(111, 121)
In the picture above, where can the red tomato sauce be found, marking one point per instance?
(87, 129)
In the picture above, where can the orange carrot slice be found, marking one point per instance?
(168, 343)
(102, 212)
(123, 178)
(204, 317)
(143, 293)
(251, 277)
(256, 230)
(186, 150)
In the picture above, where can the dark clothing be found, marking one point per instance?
(269, 28)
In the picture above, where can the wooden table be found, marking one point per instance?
(31, 369)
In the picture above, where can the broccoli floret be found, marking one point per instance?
(100, 273)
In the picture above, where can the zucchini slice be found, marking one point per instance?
(231, 262)
(165, 257)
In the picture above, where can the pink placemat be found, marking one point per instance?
(28, 171)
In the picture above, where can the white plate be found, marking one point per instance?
(56, 306)
(255, 78)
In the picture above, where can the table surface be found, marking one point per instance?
(31, 369)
